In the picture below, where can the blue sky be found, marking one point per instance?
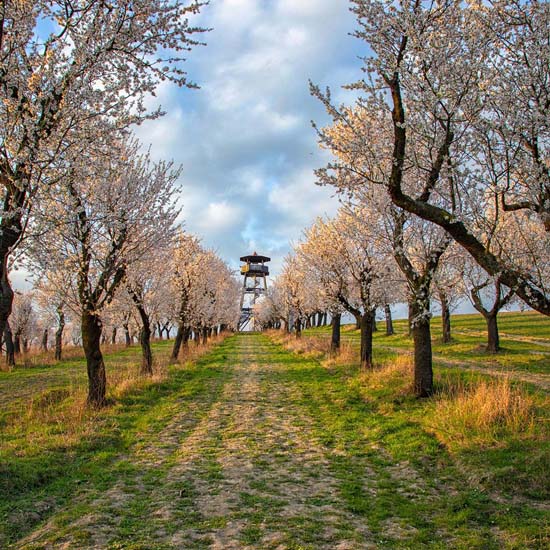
(245, 138)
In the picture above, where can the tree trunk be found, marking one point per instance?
(335, 340)
(423, 373)
(204, 336)
(8, 237)
(445, 318)
(44, 345)
(410, 318)
(144, 338)
(127, 337)
(59, 334)
(298, 327)
(367, 322)
(493, 340)
(325, 316)
(113, 335)
(17, 343)
(177, 342)
(357, 320)
(389, 320)
(374, 325)
(91, 337)
(10, 348)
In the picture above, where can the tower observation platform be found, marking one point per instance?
(255, 273)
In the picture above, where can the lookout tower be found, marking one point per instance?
(255, 274)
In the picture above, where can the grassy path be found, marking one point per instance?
(255, 447)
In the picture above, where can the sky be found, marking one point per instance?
(245, 139)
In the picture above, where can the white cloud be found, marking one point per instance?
(244, 139)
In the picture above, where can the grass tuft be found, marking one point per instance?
(485, 411)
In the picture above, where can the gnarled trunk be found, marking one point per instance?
(335, 339)
(389, 320)
(423, 372)
(91, 337)
(367, 321)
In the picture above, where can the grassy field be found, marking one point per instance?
(252, 445)
(525, 341)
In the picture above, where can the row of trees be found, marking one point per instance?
(448, 142)
(344, 266)
(444, 153)
(88, 213)
(177, 284)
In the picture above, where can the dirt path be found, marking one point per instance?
(272, 451)
(241, 471)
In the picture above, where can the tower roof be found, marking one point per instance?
(255, 258)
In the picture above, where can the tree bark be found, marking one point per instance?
(493, 340)
(204, 336)
(44, 345)
(374, 324)
(113, 335)
(445, 318)
(335, 339)
(10, 348)
(423, 372)
(389, 320)
(59, 334)
(91, 337)
(367, 322)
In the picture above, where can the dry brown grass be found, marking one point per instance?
(483, 411)
(396, 373)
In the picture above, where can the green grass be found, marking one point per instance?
(254, 446)
(525, 341)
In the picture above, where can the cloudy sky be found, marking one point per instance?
(245, 138)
